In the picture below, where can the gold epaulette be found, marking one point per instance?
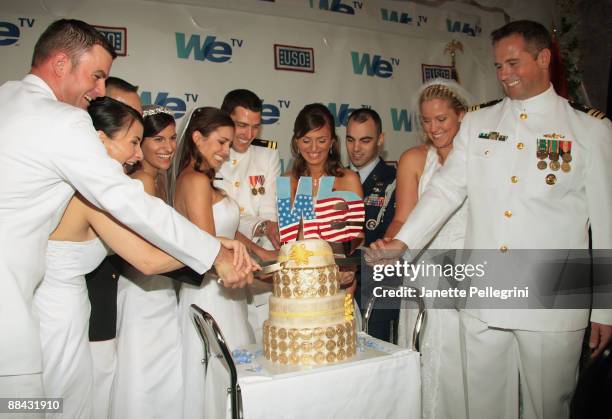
(265, 143)
(484, 105)
(595, 113)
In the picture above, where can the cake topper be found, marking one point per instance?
(335, 216)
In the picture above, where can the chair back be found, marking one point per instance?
(420, 320)
(216, 346)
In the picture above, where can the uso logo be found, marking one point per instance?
(117, 37)
(292, 58)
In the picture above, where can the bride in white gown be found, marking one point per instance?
(204, 147)
(442, 105)
(149, 381)
(74, 249)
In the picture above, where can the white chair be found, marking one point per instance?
(215, 346)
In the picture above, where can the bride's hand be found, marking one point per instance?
(242, 260)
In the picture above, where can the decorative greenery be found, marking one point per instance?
(569, 45)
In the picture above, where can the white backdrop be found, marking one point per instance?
(186, 55)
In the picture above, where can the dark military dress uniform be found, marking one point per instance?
(379, 200)
(102, 289)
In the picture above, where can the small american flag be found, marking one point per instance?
(339, 220)
(289, 218)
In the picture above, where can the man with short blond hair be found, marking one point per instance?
(49, 150)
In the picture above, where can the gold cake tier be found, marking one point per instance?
(309, 346)
(307, 312)
(306, 282)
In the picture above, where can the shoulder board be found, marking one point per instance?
(484, 105)
(265, 143)
(595, 113)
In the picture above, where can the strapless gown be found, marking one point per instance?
(148, 378)
(62, 305)
(442, 389)
(227, 306)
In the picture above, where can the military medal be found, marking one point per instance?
(555, 165)
(566, 148)
(551, 179)
(553, 150)
(371, 224)
(261, 180)
(253, 182)
(542, 153)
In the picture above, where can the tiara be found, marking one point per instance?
(154, 110)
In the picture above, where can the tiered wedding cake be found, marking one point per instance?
(311, 319)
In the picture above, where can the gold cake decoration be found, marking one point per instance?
(311, 319)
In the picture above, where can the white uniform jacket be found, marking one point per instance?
(257, 168)
(49, 149)
(512, 206)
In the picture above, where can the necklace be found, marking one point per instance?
(315, 183)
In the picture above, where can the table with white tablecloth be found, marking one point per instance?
(381, 381)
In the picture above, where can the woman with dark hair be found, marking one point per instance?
(74, 249)
(316, 152)
(204, 147)
(148, 378)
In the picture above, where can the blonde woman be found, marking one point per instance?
(441, 107)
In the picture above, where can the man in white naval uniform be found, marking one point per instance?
(48, 150)
(524, 197)
(249, 177)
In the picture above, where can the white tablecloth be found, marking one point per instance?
(381, 381)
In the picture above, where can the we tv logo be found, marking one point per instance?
(11, 32)
(337, 6)
(176, 103)
(373, 65)
(210, 49)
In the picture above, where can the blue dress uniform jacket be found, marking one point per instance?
(376, 185)
(379, 212)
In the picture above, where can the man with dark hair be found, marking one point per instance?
(537, 171)
(49, 150)
(124, 92)
(364, 142)
(249, 177)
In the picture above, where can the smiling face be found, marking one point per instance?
(520, 73)
(440, 122)
(124, 146)
(159, 149)
(315, 145)
(362, 142)
(214, 148)
(248, 125)
(83, 82)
